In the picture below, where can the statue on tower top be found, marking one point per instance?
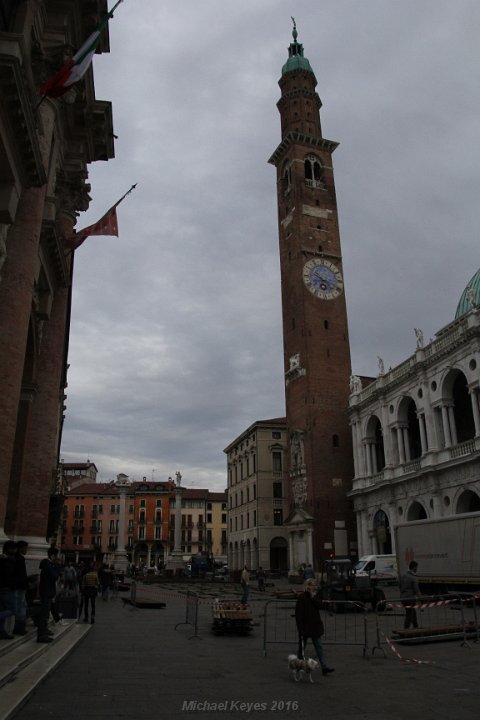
(294, 33)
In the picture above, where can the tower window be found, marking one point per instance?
(325, 324)
(336, 441)
(313, 171)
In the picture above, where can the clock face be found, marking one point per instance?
(322, 278)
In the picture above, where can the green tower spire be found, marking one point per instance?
(296, 60)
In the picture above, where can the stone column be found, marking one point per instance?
(476, 414)
(453, 425)
(36, 482)
(406, 444)
(18, 275)
(401, 445)
(446, 427)
(368, 458)
(423, 435)
(120, 559)
(175, 559)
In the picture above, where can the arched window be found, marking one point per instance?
(462, 409)
(313, 171)
(416, 511)
(287, 178)
(468, 502)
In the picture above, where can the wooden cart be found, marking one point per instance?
(231, 618)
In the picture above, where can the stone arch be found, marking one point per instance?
(140, 554)
(416, 511)
(407, 417)
(278, 554)
(374, 438)
(455, 391)
(468, 501)
(381, 533)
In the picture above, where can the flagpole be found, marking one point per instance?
(109, 210)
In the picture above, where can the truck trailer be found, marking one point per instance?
(446, 549)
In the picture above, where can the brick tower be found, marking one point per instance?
(315, 330)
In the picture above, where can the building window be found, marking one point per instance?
(142, 503)
(141, 533)
(313, 171)
(336, 441)
(78, 540)
(277, 517)
(158, 533)
(209, 517)
(276, 435)
(277, 490)
(277, 461)
(112, 509)
(224, 518)
(100, 509)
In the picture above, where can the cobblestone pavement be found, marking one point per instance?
(136, 664)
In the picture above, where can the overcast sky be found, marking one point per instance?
(176, 338)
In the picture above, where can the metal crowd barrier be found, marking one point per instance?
(191, 613)
(345, 623)
(450, 616)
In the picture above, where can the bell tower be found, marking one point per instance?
(315, 328)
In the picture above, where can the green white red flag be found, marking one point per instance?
(76, 66)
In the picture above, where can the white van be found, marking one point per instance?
(381, 568)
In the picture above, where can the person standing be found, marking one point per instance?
(90, 588)
(261, 578)
(50, 571)
(21, 587)
(309, 623)
(409, 592)
(7, 585)
(308, 572)
(245, 583)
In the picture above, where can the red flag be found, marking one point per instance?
(107, 225)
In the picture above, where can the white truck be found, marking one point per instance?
(446, 549)
(381, 568)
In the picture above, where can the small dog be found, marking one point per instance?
(301, 668)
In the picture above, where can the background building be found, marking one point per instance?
(136, 520)
(416, 432)
(257, 497)
(45, 150)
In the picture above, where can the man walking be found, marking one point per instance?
(409, 591)
(21, 587)
(50, 571)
